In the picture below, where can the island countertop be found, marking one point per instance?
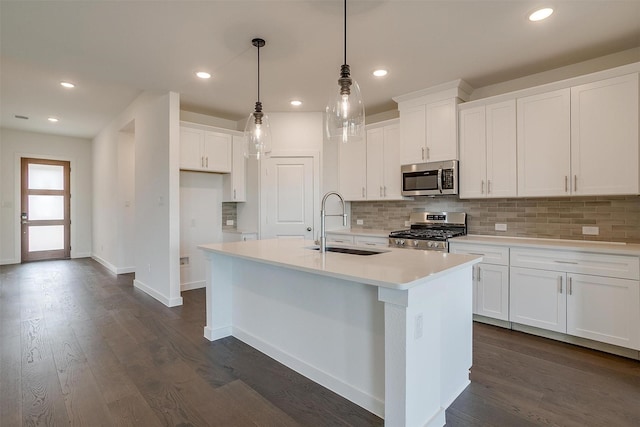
(396, 268)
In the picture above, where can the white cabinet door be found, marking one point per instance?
(442, 131)
(544, 157)
(538, 298)
(392, 185)
(375, 162)
(380, 242)
(473, 161)
(604, 137)
(413, 134)
(501, 149)
(234, 184)
(353, 170)
(191, 148)
(604, 309)
(492, 291)
(217, 152)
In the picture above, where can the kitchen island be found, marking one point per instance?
(390, 331)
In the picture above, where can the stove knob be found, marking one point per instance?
(401, 242)
(416, 242)
(429, 244)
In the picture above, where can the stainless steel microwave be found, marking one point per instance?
(430, 179)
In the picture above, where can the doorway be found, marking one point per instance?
(45, 209)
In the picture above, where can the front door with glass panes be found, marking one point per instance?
(45, 209)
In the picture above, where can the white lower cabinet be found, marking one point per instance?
(358, 240)
(555, 295)
(490, 279)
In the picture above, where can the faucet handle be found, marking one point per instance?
(344, 219)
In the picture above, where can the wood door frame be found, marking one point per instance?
(65, 253)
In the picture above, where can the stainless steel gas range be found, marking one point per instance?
(430, 231)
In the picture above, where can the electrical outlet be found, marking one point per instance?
(501, 227)
(360, 222)
(184, 260)
(229, 222)
(592, 231)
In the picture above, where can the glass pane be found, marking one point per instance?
(46, 207)
(46, 177)
(46, 238)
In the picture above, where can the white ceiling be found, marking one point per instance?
(113, 50)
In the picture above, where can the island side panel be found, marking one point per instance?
(219, 296)
(328, 329)
(427, 348)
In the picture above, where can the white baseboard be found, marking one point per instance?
(193, 285)
(112, 268)
(360, 398)
(125, 270)
(81, 255)
(169, 302)
(9, 262)
(215, 334)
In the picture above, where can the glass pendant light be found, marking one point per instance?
(257, 132)
(344, 115)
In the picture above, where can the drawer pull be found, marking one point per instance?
(565, 262)
(560, 283)
(475, 253)
(570, 286)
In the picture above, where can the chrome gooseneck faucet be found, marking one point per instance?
(323, 237)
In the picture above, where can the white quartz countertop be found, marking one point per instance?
(395, 268)
(559, 244)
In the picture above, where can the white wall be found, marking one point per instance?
(16, 144)
(200, 223)
(154, 122)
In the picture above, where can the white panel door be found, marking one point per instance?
(492, 299)
(604, 137)
(353, 170)
(544, 141)
(191, 141)
(392, 186)
(473, 163)
(604, 309)
(375, 161)
(538, 298)
(442, 131)
(217, 151)
(288, 189)
(501, 149)
(413, 131)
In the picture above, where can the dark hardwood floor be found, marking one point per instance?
(80, 346)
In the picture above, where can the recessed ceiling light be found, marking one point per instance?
(296, 103)
(203, 75)
(380, 73)
(541, 14)
(68, 85)
(52, 119)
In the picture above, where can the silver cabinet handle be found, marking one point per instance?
(570, 286)
(385, 190)
(381, 191)
(202, 162)
(479, 278)
(363, 193)
(564, 262)
(560, 284)
(488, 186)
(482, 186)
(428, 153)
(422, 153)
(207, 161)
(234, 194)
(575, 182)
(566, 184)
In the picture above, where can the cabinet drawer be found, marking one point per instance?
(371, 241)
(621, 266)
(339, 238)
(498, 255)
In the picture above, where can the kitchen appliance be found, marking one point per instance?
(430, 231)
(430, 179)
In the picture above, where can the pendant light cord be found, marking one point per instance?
(258, 73)
(345, 32)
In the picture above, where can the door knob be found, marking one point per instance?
(308, 228)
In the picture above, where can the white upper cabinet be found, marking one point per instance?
(488, 151)
(234, 184)
(204, 150)
(544, 140)
(383, 163)
(428, 133)
(604, 137)
(352, 177)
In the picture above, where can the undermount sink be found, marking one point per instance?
(350, 251)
